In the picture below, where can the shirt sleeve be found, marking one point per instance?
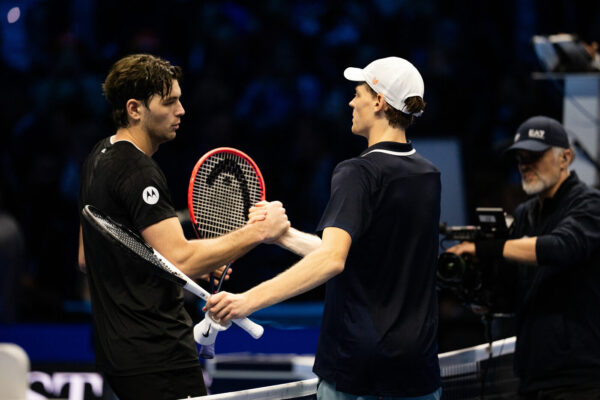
(349, 206)
(145, 194)
(575, 238)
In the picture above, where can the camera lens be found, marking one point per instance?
(451, 267)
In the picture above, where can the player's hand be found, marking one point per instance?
(258, 212)
(217, 274)
(463, 248)
(275, 222)
(224, 306)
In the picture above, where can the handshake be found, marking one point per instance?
(270, 221)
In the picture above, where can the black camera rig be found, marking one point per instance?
(492, 225)
(475, 281)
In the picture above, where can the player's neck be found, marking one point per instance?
(138, 138)
(383, 132)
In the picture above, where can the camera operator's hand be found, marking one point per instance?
(463, 248)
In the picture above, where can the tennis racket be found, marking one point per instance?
(224, 184)
(129, 240)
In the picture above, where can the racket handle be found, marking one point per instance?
(196, 289)
(255, 330)
(252, 328)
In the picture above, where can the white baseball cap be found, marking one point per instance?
(394, 77)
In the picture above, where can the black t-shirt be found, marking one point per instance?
(379, 329)
(139, 319)
(558, 318)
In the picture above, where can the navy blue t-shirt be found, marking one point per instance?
(379, 329)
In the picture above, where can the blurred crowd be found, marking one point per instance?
(264, 77)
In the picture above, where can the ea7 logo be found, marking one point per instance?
(537, 133)
(150, 195)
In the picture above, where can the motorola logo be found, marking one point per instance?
(150, 195)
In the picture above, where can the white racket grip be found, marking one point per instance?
(254, 329)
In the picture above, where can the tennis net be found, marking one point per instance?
(472, 373)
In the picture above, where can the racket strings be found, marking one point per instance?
(128, 239)
(226, 186)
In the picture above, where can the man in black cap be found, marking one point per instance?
(555, 239)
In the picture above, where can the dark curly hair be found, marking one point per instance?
(137, 76)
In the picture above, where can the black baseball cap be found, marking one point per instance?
(539, 134)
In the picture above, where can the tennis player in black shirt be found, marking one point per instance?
(378, 253)
(144, 343)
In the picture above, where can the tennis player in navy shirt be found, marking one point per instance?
(377, 253)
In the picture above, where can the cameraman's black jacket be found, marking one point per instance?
(558, 316)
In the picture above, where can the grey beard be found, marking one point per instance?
(533, 188)
(538, 186)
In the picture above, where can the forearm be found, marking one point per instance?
(299, 242)
(521, 250)
(206, 255)
(313, 270)
(200, 256)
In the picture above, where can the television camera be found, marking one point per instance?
(472, 281)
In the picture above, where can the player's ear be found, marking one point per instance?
(134, 109)
(379, 103)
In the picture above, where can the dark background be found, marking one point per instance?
(264, 77)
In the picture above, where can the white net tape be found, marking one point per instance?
(452, 364)
(284, 391)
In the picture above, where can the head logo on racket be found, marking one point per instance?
(224, 184)
(228, 178)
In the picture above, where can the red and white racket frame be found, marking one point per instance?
(199, 164)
